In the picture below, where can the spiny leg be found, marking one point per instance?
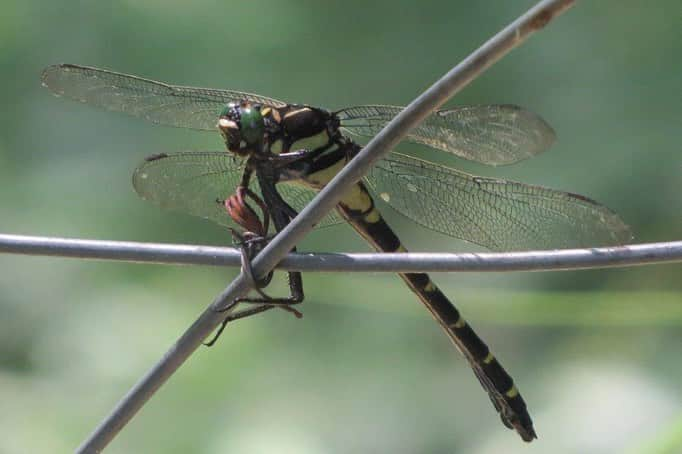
(282, 213)
(250, 248)
(251, 243)
(264, 303)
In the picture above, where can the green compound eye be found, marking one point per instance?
(252, 125)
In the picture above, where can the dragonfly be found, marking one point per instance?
(284, 153)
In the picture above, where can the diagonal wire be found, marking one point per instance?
(458, 77)
(413, 262)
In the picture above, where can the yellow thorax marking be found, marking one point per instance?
(322, 177)
(311, 143)
(488, 359)
(276, 147)
(296, 112)
(275, 115)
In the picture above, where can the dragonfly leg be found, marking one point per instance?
(272, 205)
(250, 245)
(249, 248)
(236, 316)
(254, 239)
(246, 217)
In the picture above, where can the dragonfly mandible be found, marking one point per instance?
(294, 150)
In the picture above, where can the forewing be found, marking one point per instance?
(194, 182)
(172, 105)
(500, 215)
(497, 134)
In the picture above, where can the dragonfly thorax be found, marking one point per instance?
(299, 127)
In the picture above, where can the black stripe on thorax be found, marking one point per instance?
(340, 151)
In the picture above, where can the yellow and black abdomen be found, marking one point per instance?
(357, 207)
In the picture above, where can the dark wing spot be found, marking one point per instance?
(156, 157)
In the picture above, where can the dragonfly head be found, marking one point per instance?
(243, 128)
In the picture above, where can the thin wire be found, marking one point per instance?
(533, 20)
(186, 254)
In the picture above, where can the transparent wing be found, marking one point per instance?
(299, 196)
(172, 105)
(498, 214)
(191, 182)
(489, 134)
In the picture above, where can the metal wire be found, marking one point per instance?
(186, 254)
(510, 37)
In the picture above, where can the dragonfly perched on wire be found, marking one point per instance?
(284, 153)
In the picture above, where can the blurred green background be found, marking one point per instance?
(595, 353)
